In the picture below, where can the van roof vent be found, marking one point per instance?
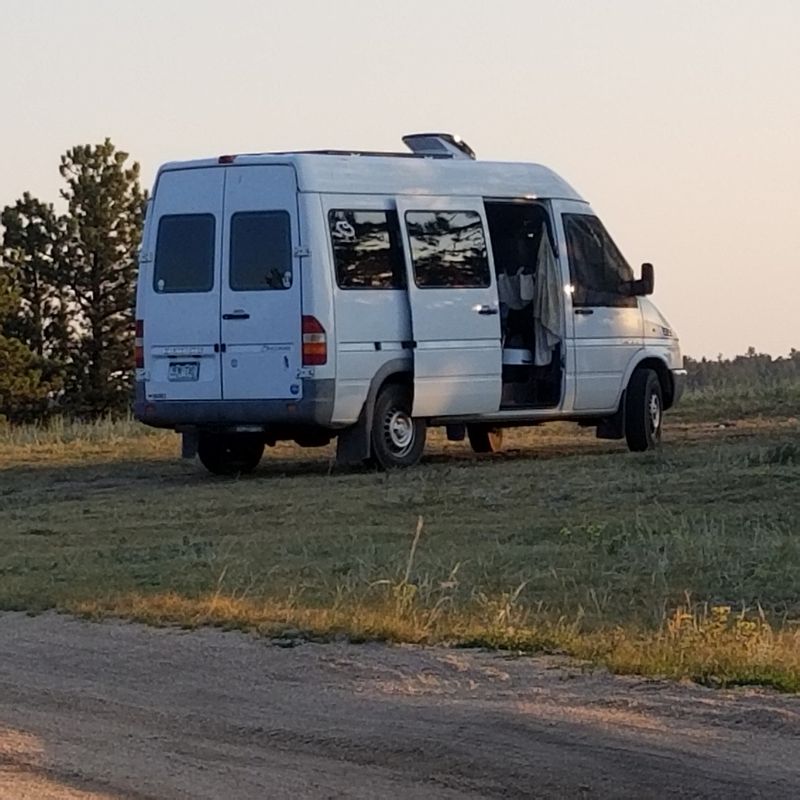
(438, 144)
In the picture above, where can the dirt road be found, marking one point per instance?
(123, 711)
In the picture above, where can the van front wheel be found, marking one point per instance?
(231, 453)
(397, 438)
(644, 411)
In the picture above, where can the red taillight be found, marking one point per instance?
(138, 349)
(315, 343)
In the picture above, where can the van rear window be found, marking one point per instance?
(185, 253)
(261, 251)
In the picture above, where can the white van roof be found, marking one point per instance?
(401, 173)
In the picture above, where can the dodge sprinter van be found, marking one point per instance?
(367, 296)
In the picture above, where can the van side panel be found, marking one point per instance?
(359, 361)
(373, 326)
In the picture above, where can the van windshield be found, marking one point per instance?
(185, 253)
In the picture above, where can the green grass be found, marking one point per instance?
(683, 562)
(770, 398)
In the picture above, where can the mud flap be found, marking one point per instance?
(613, 427)
(189, 441)
(353, 444)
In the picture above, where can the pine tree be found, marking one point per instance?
(24, 395)
(33, 239)
(98, 265)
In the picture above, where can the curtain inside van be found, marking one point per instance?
(548, 305)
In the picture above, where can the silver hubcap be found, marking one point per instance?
(399, 430)
(654, 412)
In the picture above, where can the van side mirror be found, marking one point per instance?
(648, 278)
(645, 284)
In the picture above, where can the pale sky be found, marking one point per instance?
(678, 121)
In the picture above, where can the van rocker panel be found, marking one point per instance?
(315, 408)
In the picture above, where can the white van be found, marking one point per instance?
(366, 296)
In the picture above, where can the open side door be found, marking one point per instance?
(455, 315)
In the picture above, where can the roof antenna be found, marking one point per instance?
(438, 144)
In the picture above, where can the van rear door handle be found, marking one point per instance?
(237, 315)
(584, 312)
(486, 310)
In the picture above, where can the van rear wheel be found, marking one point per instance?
(644, 411)
(485, 438)
(230, 453)
(397, 438)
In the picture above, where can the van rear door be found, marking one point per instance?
(260, 291)
(454, 308)
(181, 292)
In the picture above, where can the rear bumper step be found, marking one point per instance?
(315, 408)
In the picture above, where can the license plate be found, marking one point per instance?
(184, 371)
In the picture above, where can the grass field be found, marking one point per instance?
(682, 562)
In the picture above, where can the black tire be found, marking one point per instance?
(397, 438)
(644, 411)
(485, 438)
(231, 453)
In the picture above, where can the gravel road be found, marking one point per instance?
(117, 710)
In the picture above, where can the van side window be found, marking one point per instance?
(366, 249)
(448, 249)
(185, 253)
(597, 269)
(261, 251)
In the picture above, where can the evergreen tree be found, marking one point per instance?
(33, 239)
(24, 395)
(98, 265)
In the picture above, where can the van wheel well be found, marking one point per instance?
(664, 378)
(354, 444)
(396, 378)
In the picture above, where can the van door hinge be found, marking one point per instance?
(302, 252)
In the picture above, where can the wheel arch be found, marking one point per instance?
(662, 370)
(353, 444)
(397, 371)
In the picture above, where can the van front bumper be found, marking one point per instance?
(314, 409)
(679, 384)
